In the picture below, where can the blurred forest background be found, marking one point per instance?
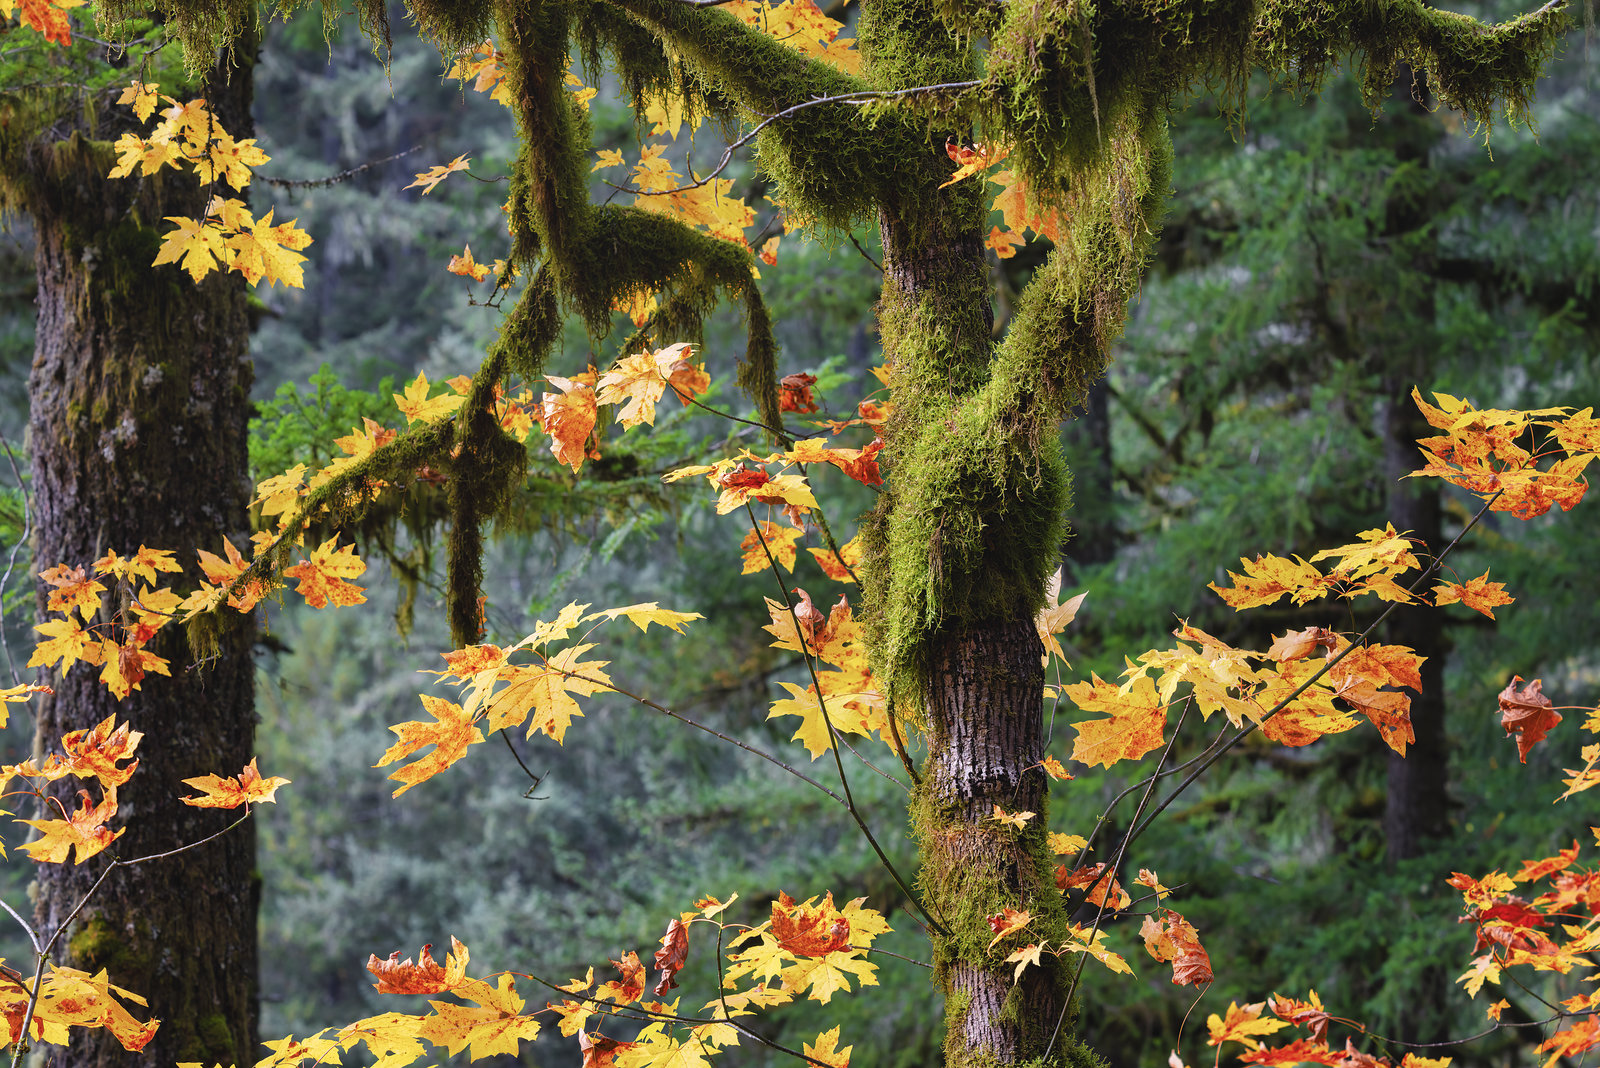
(1317, 264)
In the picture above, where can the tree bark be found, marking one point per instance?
(140, 396)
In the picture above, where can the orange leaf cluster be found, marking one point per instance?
(1483, 452)
(812, 947)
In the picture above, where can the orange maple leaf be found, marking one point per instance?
(93, 753)
(1478, 594)
(1528, 713)
(424, 976)
(74, 588)
(450, 734)
(1137, 724)
(1101, 886)
(569, 417)
(778, 541)
(464, 265)
(1173, 938)
(809, 931)
(245, 788)
(322, 577)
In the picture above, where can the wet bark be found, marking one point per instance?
(139, 397)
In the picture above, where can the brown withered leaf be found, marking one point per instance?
(1527, 713)
(670, 957)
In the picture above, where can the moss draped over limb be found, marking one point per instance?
(973, 524)
(831, 163)
(594, 256)
(1058, 69)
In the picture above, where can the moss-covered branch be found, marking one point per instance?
(1059, 73)
(975, 522)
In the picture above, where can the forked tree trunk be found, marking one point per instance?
(140, 396)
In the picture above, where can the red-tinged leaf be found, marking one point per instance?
(599, 1051)
(84, 831)
(670, 957)
(1493, 1011)
(1173, 938)
(1308, 1014)
(322, 577)
(464, 265)
(1008, 921)
(1478, 594)
(1300, 1051)
(1538, 869)
(1527, 713)
(431, 177)
(248, 787)
(809, 931)
(1137, 725)
(1100, 885)
(630, 987)
(794, 393)
(424, 976)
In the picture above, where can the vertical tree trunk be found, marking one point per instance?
(140, 396)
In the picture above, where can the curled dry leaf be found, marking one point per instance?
(423, 976)
(670, 957)
(1527, 713)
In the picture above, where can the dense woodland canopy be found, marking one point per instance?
(1316, 261)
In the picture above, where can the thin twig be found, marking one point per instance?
(861, 97)
(865, 254)
(342, 176)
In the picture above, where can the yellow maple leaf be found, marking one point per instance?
(141, 95)
(322, 577)
(198, 247)
(642, 615)
(769, 537)
(246, 788)
(826, 1050)
(1243, 1024)
(415, 405)
(262, 250)
(230, 160)
(431, 177)
(494, 1026)
(450, 734)
(148, 156)
(84, 831)
(66, 642)
(1080, 941)
(543, 695)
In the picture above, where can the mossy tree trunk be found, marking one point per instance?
(140, 396)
